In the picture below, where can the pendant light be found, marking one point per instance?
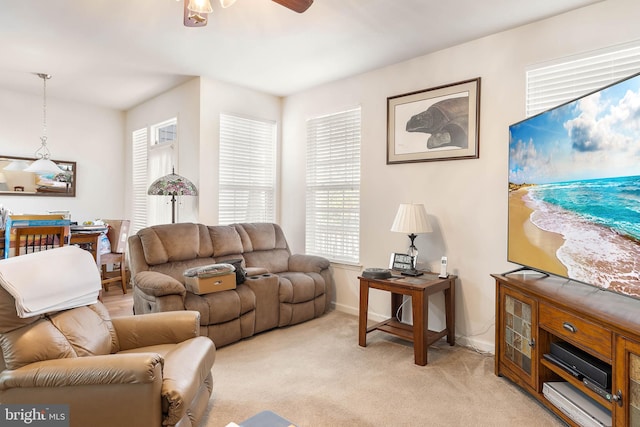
(200, 6)
(43, 163)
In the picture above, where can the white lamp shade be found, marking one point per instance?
(227, 3)
(411, 219)
(17, 165)
(43, 166)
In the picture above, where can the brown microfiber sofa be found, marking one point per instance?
(281, 289)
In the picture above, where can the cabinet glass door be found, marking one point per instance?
(518, 332)
(627, 382)
(518, 337)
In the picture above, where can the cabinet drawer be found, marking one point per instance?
(591, 337)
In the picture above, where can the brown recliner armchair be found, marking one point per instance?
(151, 370)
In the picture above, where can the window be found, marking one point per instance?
(139, 185)
(333, 186)
(550, 85)
(247, 170)
(151, 160)
(165, 132)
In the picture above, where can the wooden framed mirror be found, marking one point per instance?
(16, 182)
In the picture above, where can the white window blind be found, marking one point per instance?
(139, 181)
(153, 155)
(247, 170)
(333, 186)
(160, 162)
(550, 85)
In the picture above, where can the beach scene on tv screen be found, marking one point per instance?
(574, 189)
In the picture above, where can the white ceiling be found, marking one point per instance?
(118, 53)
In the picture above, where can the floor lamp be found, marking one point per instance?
(172, 185)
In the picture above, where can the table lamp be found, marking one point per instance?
(172, 185)
(3, 182)
(412, 220)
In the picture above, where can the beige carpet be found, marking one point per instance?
(315, 374)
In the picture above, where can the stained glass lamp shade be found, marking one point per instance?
(172, 185)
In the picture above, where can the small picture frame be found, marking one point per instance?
(402, 262)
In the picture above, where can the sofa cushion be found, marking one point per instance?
(264, 236)
(300, 287)
(88, 330)
(225, 240)
(175, 242)
(275, 260)
(82, 331)
(221, 307)
(33, 343)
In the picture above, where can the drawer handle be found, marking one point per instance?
(569, 327)
(617, 398)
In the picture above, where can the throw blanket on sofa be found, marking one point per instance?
(53, 280)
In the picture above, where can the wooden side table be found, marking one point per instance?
(418, 288)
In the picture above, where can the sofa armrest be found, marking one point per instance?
(308, 263)
(130, 368)
(185, 370)
(169, 327)
(158, 284)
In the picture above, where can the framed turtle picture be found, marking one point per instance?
(441, 123)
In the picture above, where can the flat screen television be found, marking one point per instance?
(574, 189)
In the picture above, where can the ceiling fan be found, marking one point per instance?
(196, 12)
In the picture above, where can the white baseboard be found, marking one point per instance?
(470, 342)
(355, 312)
(475, 344)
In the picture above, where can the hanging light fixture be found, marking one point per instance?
(196, 12)
(226, 3)
(200, 6)
(43, 164)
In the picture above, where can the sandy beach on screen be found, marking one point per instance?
(528, 243)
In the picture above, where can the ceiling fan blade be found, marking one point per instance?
(295, 5)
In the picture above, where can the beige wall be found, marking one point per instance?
(466, 199)
(182, 102)
(220, 98)
(89, 135)
(198, 104)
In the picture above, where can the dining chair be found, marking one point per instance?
(35, 239)
(117, 234)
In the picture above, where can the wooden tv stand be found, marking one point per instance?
(533, 310)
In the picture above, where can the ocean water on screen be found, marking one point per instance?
(600, 222)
